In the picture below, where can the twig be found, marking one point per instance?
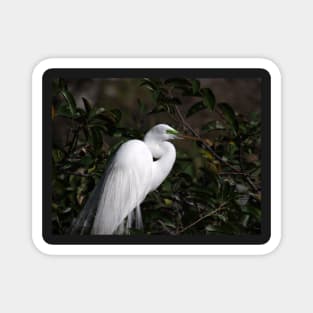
(188, 126)
(221, 207)
(78, 174)
(165, 227)
(174, 119)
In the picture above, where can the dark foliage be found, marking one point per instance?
(214, 186)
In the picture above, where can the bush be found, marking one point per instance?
(214, 186)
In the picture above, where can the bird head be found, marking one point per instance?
(162, 132)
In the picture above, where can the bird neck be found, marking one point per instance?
(165, 154)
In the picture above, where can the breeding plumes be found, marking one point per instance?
(137, 168)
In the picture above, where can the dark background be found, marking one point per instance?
(243, 94)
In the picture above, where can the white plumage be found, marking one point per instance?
(126, 186)
(132, 174)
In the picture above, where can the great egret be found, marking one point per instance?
(131, 175)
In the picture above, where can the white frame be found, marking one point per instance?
(149, 249)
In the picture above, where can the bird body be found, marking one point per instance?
(130, 169)
(129, 178)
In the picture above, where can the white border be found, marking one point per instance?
(156, 249)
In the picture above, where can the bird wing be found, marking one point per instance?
(125, 186)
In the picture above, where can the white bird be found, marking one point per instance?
(129, 178)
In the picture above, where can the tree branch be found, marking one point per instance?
(221, 207)
(189, 127)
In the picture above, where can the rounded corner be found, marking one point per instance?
(41, 244)
(272, 244)
(271, 67)
(42, 67)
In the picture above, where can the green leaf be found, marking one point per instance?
(159, 108)
(199, 106)
(62, 84)
(254, 211)
(141, 106)
(208, 98)
(100, 127)
(57, 155)
(86, 160)
(69, 100)
(64, 110)
(229, 115)
(149, 84)
(163, 99)
(108, 117)
(87, 105)
(181, 84)
(118, 115)
(195, 86)
(96, 138)
(208, 102)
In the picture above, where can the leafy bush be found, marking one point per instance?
(214, 186)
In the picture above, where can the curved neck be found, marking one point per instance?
(165, 152)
